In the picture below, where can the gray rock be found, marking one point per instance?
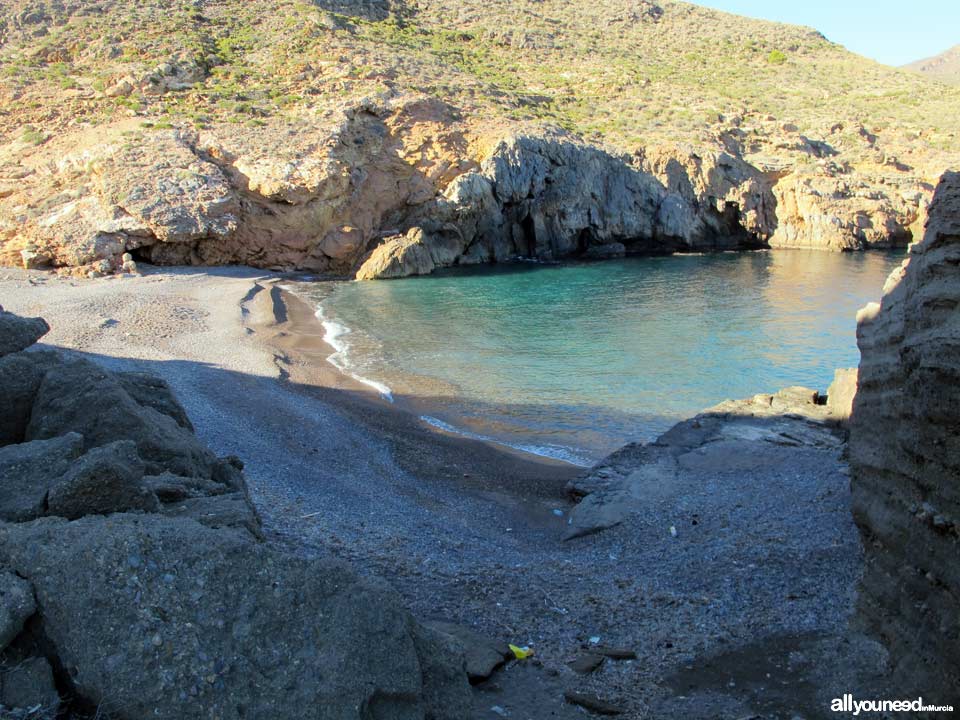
(28, 471)
(233, 510)
(170, 488)
(610, 506)
(735, 436)
(105, 480)
(606, 251)
(592, 703)
(551, 196)
(29, 685)
(18, 333)
(905, 458)
(599, 511)
(586, 663)
(82, 397)
(16, 605)
(20, 376)
(482, 656)
(194, 623)
(153, 392)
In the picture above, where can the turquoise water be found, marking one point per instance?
(575, 360)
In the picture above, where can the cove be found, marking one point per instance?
(574, 360)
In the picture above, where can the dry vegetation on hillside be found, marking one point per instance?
(625, 72)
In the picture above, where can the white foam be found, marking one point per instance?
(554, 452)
(333, 336)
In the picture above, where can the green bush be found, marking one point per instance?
(776, 57)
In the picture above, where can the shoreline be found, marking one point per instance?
(310, 342)
(465, 532)
(298, 335)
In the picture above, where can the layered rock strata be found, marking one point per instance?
(905, 458)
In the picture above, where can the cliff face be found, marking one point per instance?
(905, 457)
(286, 134)
(400, 187)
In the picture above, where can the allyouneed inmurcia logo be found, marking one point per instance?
(847, 704)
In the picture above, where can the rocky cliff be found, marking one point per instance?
(905, 458)
(342, 137)
(135, 580)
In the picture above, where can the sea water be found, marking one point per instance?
(574, 360)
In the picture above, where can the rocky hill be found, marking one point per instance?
(289, 134)
(944, 67)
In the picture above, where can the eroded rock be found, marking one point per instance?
(29, 470)
(81, 397)
(18, 333)
(105, 480)
(193, 621)
(905, 457)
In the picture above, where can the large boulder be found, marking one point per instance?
(82, 397)
(16, 606)
(18, 333)
(105, 480)
(29, 470)
(165, 618)
(905, 458)
(153, 392)
(736, 436)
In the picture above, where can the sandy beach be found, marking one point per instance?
(471, 533)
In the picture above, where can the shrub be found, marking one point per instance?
(776, 57)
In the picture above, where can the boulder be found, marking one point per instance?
(20, 376)
(482, 656)
(105, 480)
(841, 393)
(153, 392)
(232, 510)
(18, 333)
(16, 606)
(165, 618)
(398, 257)
(736, 436)
(29, 470)
(29, 685)
(83, 397)
(905, 458)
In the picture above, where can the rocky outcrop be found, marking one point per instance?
(834, 210)
(134, 575)
(17, 333)
(550, 196)
(739, 436)
(403, 186)
(905, 458)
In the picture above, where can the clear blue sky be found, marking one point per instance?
(892, 32)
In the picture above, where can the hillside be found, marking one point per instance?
(249, 88)
(944, 67)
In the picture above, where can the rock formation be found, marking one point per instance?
(402, 187)
(734, 436)
(134, 577)
(905, 458)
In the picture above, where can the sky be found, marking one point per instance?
(890, 31)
